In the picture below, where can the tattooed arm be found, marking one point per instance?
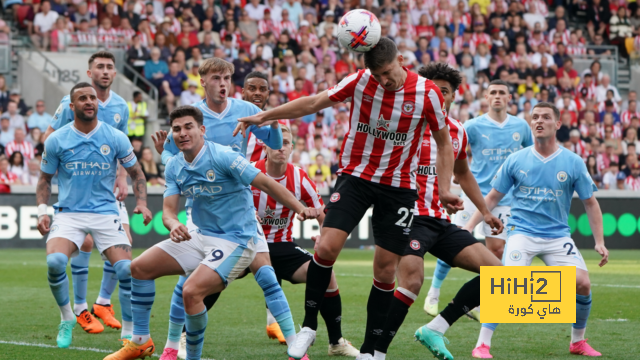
(140, 190)
(43, 193)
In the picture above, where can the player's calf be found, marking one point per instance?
(59, 284)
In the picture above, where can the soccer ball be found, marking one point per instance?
(359, 30)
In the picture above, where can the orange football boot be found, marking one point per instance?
(89, 323)
(133, 351)
(106, 314)
(274, 332)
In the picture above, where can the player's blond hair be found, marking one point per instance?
(215, 65)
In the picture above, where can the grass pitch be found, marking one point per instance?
(236, 330)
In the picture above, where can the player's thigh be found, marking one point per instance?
(520, 250)
(108, 232)
(67, 234)
(347, 205)
(262, 257)
(202, 282)
(385, 264)
(290, 261)
(154, 263)
(227, 258)
(461, 218)
(87, 246)
(188, 254)
(124, 220)
(392, 218)
(562, 252)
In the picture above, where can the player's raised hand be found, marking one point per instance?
(179, 233)
(451, 202)
(602, 250)
(146, 214)
(245, 122)
(121, 187)
(43, 224)
(158, 140)
(496, 224)
(309, 213)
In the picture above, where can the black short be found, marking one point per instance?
(439, 237)
(286, 259)
(392, 210)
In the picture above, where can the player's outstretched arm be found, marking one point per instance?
(491, 200)
(43, 193)
(444, 164)
(594, 214)
(292, 110)
(140, 190)
(170, 207)
(470, 187)
(284, 197)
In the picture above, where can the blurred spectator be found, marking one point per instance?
(15, 96)
(609, 178)
(155, 68)
(136, 143)
(601, 90)
(137, 55)
(42, 26)
(149, 167)
(19, 144)
(138, 115)
(243, 66)
(16, 120)
(172, 85)
(630, 138)
(298, 91)
(7, 178)
(39, 119)
(190, 95)
(4, 93)
(194, 76)
(6, 132)
(320, 165)
(321, 183)
(17, 163)
(31, 175)
(632, 182)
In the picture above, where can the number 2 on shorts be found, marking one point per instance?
(570, 252)
(405, 213)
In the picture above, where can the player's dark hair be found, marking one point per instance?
(256, 74)
(187, 110)
(556, 112)
(78, 86)
(441, 71)
(499, 82)
(102, 55)
(382, 54)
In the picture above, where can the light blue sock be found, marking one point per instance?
(143, 292)
(276, 300)
(583, 308)
(123, 272)
(196, 325)
(109, 281)
(58, 280)
(176, 312)
(442, 269)
(491, 326)
(80, 276)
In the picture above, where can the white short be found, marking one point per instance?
(501, 212)
(227, 258)
(261, 241)
(107, 230)
(124, 215)
(521, 249)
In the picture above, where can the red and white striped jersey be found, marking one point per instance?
(108, 38)
(428, 203)
(24, 147)
(627, 115)
(591, 90)
(277, 219)
(566, 36)
(536, 40)
(265, 26)
(576, 49)
(483, 38)
(255, 151)
(443, 13)
(458, 42)
(290, 27)
(383, 142)
(602, 106)
(539, 5)
(631, 183)
(126, 34)
(580, 148)
(616, 134)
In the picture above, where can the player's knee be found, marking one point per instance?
(384, 273)
(583, 285)
(57, 262)
(191, 296)
(327, 251)
(497, 251)
(123, 269)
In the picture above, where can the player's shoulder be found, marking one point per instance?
(117, 100)
(244, 106)
(520, 156)
(260, 165)
(65, 100)
(453, 122)
(570, 156)
(471, 123)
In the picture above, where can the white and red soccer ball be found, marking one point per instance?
(359, 30)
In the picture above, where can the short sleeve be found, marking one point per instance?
(308, 191)
(433, 110)
(343, 91)
(503, 181)
(123, 125)
(583, 184)
(239, 167)
(527, 139)
(50, 160)
(63, 115)
(126, 156)
(170, 186)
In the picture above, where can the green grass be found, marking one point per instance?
(236, 328)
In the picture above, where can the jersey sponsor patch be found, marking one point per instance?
(105, 149)
(335, 197)
(127, 158)
(415, 244)
(240, 163)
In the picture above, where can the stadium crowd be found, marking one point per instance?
(524, 43)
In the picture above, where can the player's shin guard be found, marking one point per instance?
(80, 276)
(318, 279)
(442, 269)
(108, 284)
(59, 283)
(466, 299)
(276, 301)
(400, 304)
(196, 326)
(583, 308)
(176, 315)
(331, 312)
(143, 292)
(377, 310)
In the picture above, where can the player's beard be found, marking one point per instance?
(87, 118)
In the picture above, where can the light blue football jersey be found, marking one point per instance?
(219, 128)
(217, 182)
(114, 112)
(542, 189)
(87, 165)
(491, 143)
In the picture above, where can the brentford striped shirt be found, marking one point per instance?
(255, 151)
(276, 218)
(428, 203)
(386, 127)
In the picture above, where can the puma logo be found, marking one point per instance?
(525, 172)
(485, 136)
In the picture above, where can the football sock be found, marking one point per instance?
(466, 299)
(79, 277)
(142, 295)
(377, 309)
(210, 300)
(583, 308)
(123, 272)
(442, 269)
(176, 316)
(59, 283)
(276, 301)
(108, 284)
(270, 318)
(379, 356)
(400, 304)
(318, 279)
(438, 324)
(331, 311)
(196, 326)
(486, 332)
